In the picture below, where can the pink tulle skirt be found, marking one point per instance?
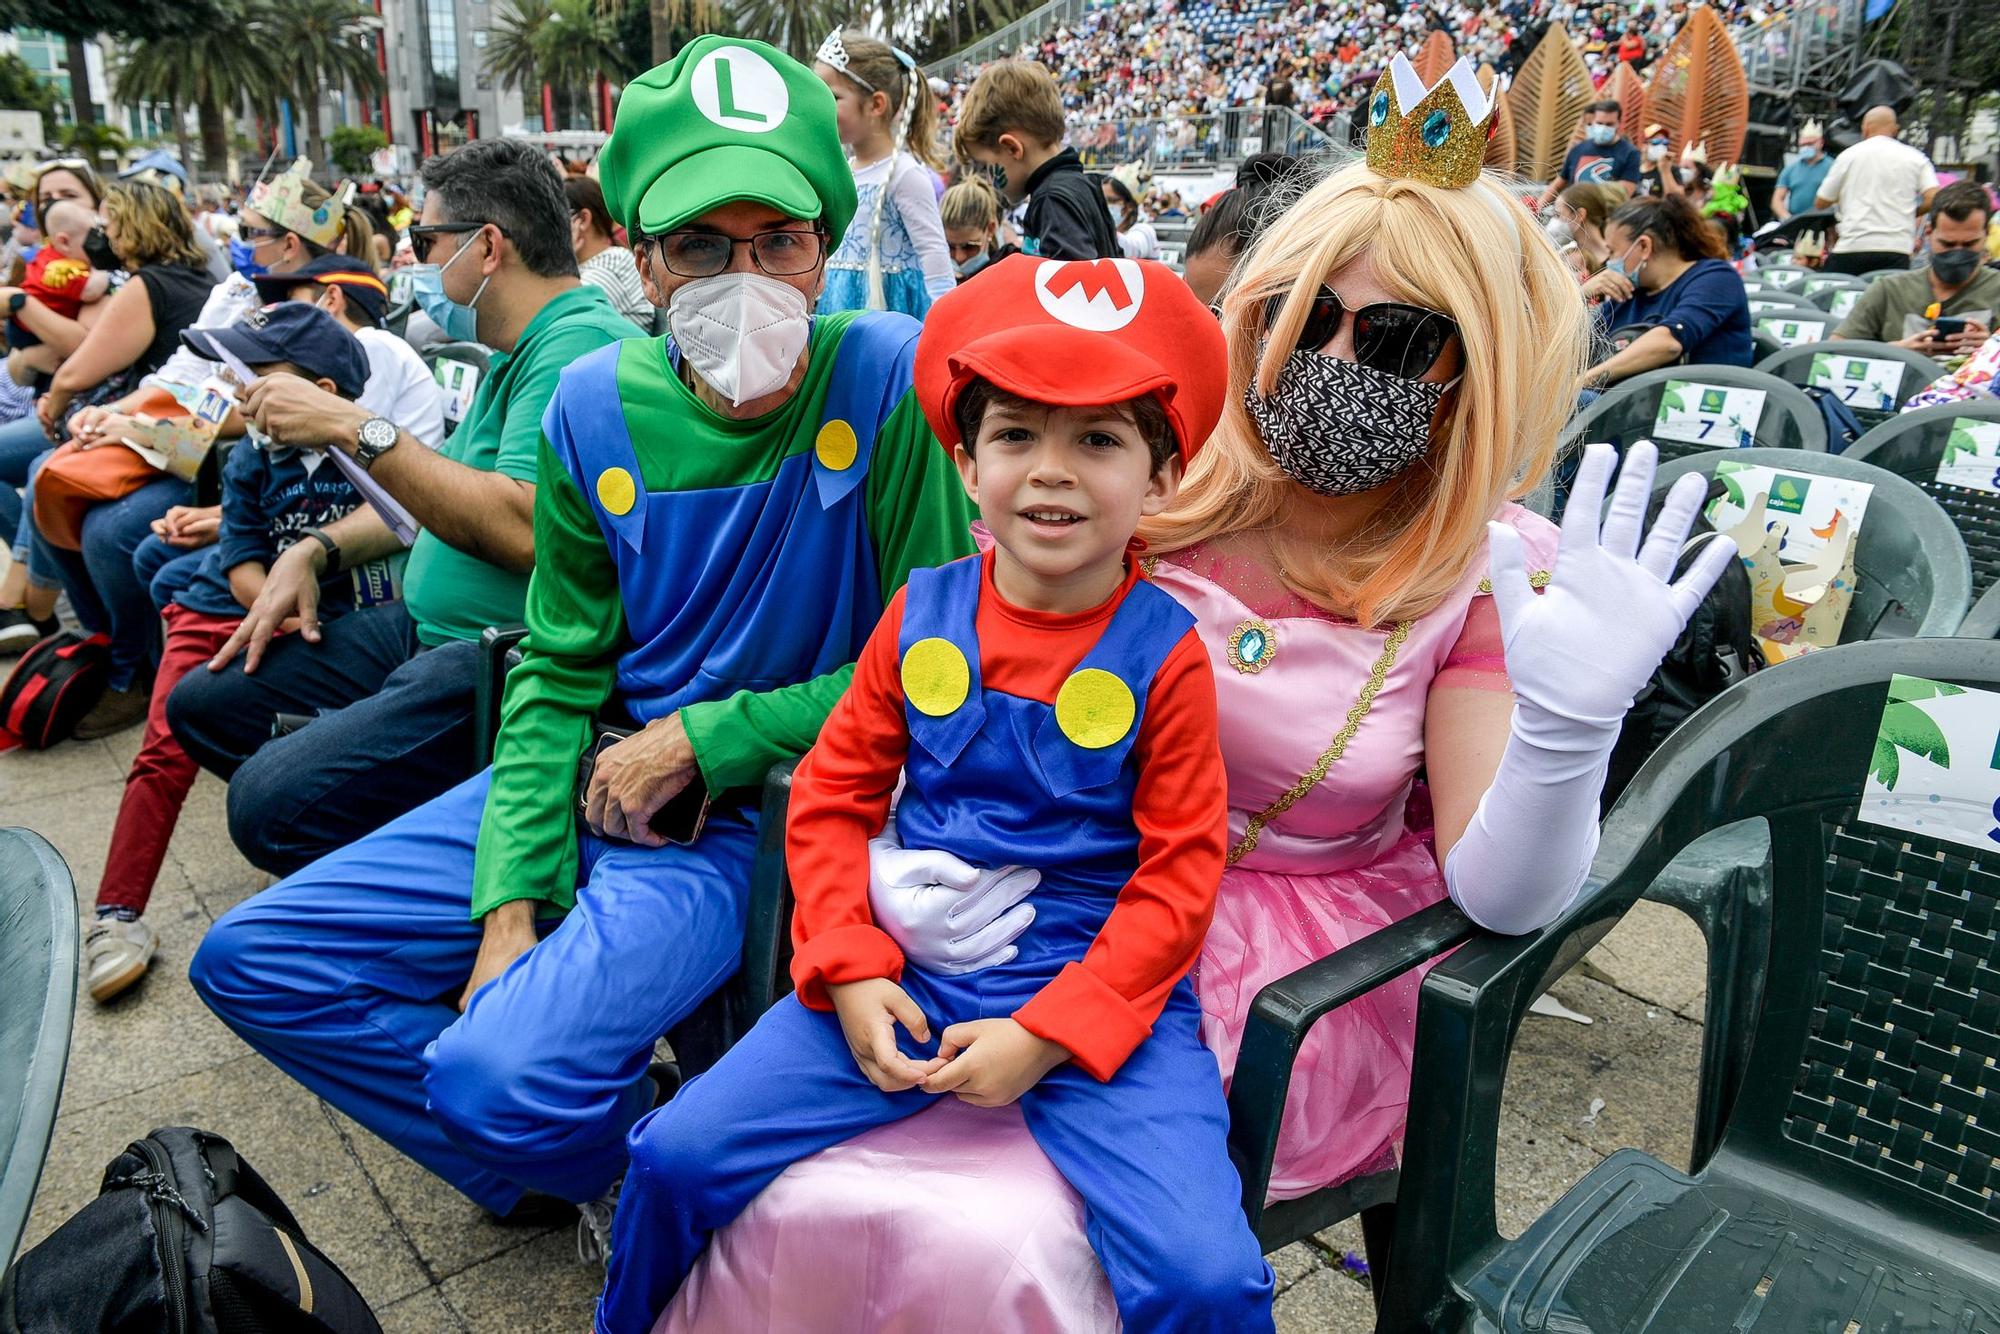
(954, 1219)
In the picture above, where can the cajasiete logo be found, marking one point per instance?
(1097, 295)
(740, 90)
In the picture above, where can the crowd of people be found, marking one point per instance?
(1184, 62)
(1194, 611)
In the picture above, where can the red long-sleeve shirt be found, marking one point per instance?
(1101, 1007)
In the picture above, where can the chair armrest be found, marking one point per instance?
(1286, 1010)
(767, 925)
(488, 687)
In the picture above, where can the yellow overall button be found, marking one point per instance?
(836, 445)
(1095, 709)
(936, 676)
(616, 490)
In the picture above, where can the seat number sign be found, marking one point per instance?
(1862, 382)
(1719, 416)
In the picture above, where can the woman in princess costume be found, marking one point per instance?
(1374, 604)
(895, 258)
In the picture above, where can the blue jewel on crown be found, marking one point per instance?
(1252, 645)
(1378, 108)
(1436, 129)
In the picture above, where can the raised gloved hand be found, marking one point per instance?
(1586, 645)
(947, 915)
(1577, 654)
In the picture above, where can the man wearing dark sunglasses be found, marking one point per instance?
(720, 519)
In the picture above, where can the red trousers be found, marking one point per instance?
(162, 773)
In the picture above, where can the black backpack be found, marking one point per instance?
(53, 685)
(183, 1238)
(1716, 649)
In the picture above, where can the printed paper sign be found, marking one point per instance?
(1814, 286)
(1811, 506)
(459, 380)
(1764, 305)
(1935, 770)
(1843, 301)
(1972, 455)
(1861, 382)
(1709, 414)
(1785, 278)
(1791, 333)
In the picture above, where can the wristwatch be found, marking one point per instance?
(15, 302)
(373, 440)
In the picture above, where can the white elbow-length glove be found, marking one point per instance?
(947, 915)
(1576, 654)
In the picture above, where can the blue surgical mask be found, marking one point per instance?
(459, 323)
(1600, 134)
(1810, 152)
(1618, 265)
(243, 258)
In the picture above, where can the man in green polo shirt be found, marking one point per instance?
(389, 687)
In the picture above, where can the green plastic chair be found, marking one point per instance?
(1912, 576)
(1983, 621)
(1629, 410)
(1790, 278)
(1821, 288)
(1848, 1117)
(38, 954)
(1812, 326)
(1912, 445)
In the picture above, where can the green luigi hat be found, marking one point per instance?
(726, 119)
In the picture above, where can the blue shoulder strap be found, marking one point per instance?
(1075, 743)
(585, 423)
(871, 372)
(939, 647)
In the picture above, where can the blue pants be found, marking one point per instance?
(346, 977)
(103, 590)
(391, 730)
(164, 569)
(1148, 1151)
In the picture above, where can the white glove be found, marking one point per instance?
(1577, 654)
(947, 915)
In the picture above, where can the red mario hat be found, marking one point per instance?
(1076, 332)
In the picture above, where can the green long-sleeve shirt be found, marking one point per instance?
(916, 514)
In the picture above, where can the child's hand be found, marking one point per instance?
(869, 1012)
(991, 1062)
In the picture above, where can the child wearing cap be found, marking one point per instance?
(271, 498)
(1048, 705)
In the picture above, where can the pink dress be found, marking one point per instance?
(953, 1218)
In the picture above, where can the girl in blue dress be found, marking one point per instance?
(894, 257)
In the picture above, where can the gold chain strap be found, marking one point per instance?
(1331, 755)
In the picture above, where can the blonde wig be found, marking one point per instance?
(1475, 254)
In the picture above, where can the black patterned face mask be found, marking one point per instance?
(1338, 427)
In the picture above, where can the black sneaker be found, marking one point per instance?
(20, 632)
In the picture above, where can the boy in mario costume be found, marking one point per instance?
(720, 519)
(1049, 705)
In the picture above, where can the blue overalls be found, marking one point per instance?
(346, 974)
(994, 779)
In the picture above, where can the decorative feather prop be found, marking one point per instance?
(1548, 97)
(1435, 57)
(1699, 91)
(1500, 149)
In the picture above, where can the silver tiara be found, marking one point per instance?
(833, 52)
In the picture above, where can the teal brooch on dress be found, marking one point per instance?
(1252, 645)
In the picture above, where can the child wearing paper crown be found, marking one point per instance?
(1046, 703)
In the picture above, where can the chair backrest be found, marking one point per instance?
(1789, 277)
(38, 953)
(1913, 445)
(1821, 288)
(1983, 621)
(1775, 302)
(1871, 1066)
(458, 368)
(1911, 574)
(1873, 379)
(1788, 328)
(1701, 413)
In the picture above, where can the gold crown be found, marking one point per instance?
(1436, 135)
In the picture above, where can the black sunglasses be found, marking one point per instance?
(424, 235)
(1389, 336)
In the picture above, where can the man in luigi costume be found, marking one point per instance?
(720, 518)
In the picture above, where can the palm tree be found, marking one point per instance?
(666, 15)
(794, 26)
(566, 44)
(214, 70)
(319, 44)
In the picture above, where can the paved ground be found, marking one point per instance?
(428, 1261)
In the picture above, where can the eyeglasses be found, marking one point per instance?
(1389, 336)
(424, 235)
(260, 233)
(703, 254)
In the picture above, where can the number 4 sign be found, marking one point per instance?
(1718, 416)
(1935, 770)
